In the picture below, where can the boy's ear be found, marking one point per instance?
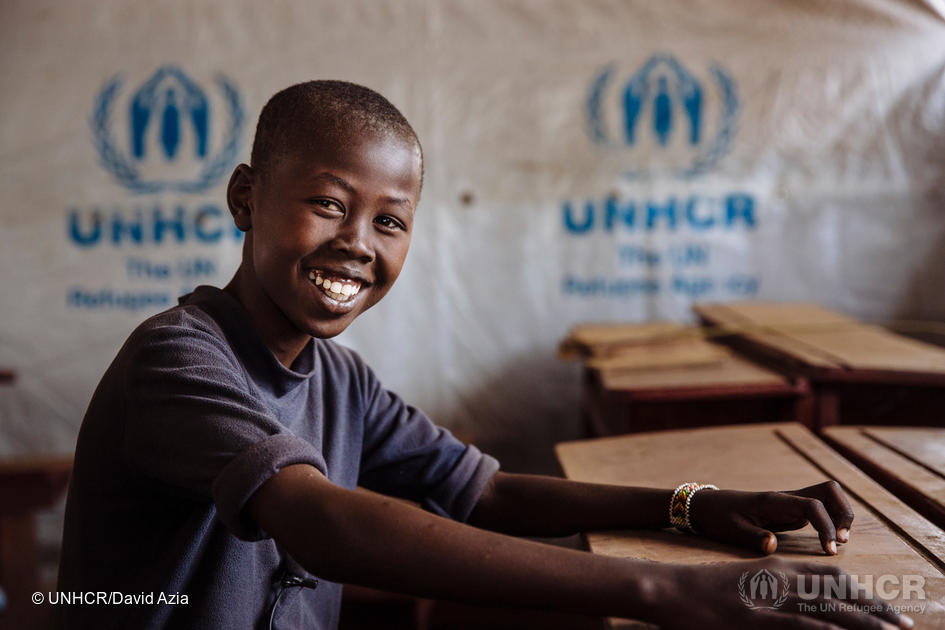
(239, 196)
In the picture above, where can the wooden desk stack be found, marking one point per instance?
(666, 376)
(779, 362)
(859, 373)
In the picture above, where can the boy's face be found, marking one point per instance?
(331, 226)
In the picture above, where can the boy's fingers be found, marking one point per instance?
(754, 537)
(841, 512)
(832, 496)
(837, 506)
(787, 527)
(815, 512)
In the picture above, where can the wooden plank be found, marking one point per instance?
(598, 339)
(887, 538)
(776, 314)
(925, 445)
(866, 347)
(661, 356)
(747, 325)
(593, 335)
(733, 372)
(826, 340)
(910, 462)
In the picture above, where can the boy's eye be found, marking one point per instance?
(390, 223)
(328, 204)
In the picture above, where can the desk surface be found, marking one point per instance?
(827, 344)
(731, 373)
(887, 538)
(666, 360)
(909, 461)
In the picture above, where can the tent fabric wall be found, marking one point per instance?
(816, 173)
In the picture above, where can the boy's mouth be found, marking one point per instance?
(337, 287)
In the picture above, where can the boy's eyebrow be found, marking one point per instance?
(343, 183)
(335, 180)
(397, 201)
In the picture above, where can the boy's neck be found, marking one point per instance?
(280, 336)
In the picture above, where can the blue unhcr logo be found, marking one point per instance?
(672, 120)
(167, 142)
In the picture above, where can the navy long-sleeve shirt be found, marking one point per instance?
(193, 416)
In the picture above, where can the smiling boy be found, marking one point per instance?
(221, 451)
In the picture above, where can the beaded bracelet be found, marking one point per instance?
(679, 504)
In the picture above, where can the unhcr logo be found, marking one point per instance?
(174, 135)
(763, 590)
(674, 121)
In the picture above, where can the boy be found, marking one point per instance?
(219, 455)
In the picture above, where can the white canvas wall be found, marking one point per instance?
(816, 174)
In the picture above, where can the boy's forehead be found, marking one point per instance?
(314, 150)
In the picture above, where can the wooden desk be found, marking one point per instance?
(860, 373)
(732, 391)
(647, 377)
(887, 538)
(908, 461)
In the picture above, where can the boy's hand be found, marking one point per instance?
(749, 519)
(710, 596)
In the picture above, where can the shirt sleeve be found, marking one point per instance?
(192, 424)
(406, 455)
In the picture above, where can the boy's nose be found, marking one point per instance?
(353, 240)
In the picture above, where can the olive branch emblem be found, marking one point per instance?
(785, 589)
(708, 156)
(723, 139)
(125, 171)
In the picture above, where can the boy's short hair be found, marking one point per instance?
(329, 108)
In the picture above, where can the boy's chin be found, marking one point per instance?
(322, 327)
(327, 331)
(328, 327)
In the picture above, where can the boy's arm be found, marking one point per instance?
(535, 505)
(369, 539)
(366, 538)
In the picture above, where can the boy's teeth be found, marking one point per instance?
(340, 291)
